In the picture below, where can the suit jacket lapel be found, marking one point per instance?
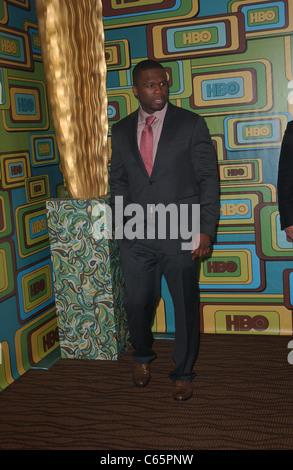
(133, 138)
(165, 137)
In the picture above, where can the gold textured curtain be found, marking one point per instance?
(72, 41)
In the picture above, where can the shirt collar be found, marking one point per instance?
(142, 115)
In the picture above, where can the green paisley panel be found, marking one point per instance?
(88, 281)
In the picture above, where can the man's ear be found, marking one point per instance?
(134, 89)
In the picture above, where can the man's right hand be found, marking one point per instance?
(289, 233)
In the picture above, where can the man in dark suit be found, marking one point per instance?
(285, 182)
(184, 172)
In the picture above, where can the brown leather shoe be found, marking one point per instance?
(141, 374)
(182, 390)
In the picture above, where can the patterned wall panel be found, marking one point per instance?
(231, 62)
(29, 175)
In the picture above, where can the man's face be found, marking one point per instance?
(151, 90)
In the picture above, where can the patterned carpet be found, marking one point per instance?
(243, 400)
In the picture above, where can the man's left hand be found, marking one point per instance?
(203, 247)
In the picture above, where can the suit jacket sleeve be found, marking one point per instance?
(205, 166)
(285, 178)
(118, 178)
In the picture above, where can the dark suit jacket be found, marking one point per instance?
(285, 179)
(185, 169)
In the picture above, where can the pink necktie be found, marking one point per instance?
(146, 144)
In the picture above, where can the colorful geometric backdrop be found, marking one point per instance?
(29, 174)
(231, 62)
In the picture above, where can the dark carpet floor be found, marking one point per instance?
(243, 400)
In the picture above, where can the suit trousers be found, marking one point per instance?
(143, 263)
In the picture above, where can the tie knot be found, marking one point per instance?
(149, 120)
